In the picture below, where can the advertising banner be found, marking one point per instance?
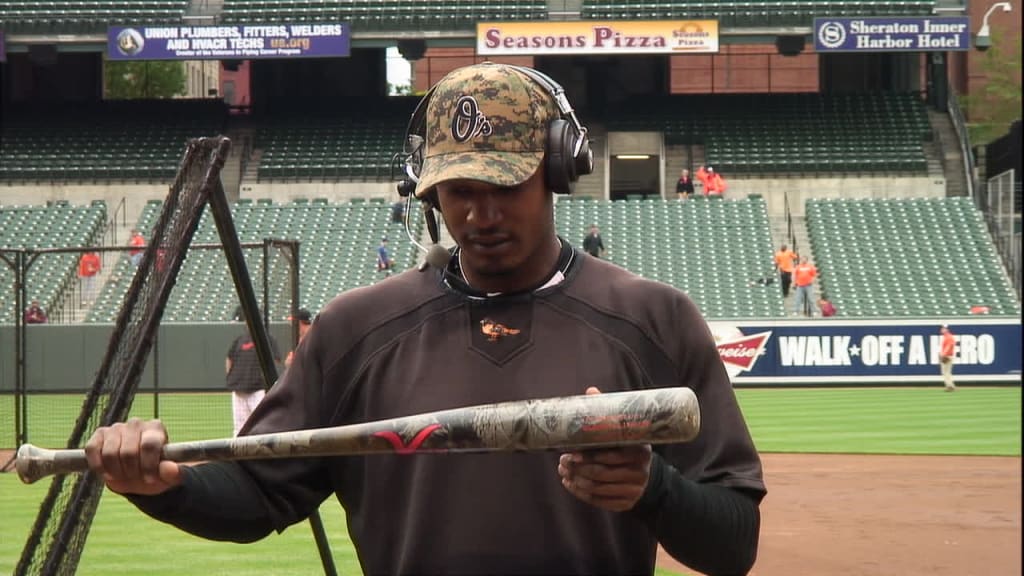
(826, 351)
(597, 37)
(891, 34)
(242, 42)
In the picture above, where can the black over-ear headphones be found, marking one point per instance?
(567, 148)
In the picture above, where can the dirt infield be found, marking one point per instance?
(5, 458)
(843, 515)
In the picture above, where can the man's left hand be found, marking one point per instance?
(612, 479)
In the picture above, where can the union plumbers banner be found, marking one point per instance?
(891, 34)
(825, 351)
(597, 37)
(242, 42)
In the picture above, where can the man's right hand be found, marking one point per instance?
(127, 457)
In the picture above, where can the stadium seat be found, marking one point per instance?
(878, 257)
(790, 133)
(59, 225)
(337, 252)
(728, 247)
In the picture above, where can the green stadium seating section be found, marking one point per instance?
(37, 227)
(138, 140)
(877, 257)
(791, 133)
(712, 249)
(377, 15)
(335, 148)
(752, 13)
(907, 257)
(85, 16)
(337, 253)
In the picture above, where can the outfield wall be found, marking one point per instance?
(803, 353)
(66, 357)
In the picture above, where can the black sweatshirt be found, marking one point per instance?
(415, 343)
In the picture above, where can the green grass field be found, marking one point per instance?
(979, 421)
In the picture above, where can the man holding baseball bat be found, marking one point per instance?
(513, 312)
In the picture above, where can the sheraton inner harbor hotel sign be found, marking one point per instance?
(597, 37)
(892, 34)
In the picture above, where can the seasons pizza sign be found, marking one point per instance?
(597, 37)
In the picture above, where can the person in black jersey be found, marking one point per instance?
(593, 244)
(516, 313)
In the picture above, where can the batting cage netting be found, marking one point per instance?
(58, 536)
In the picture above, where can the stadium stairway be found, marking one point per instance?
(800, 244)
(564, 9)
(231, 173)
(677, 157)
(108, 261)
(204, 8)
(116, 233)
(949, 155)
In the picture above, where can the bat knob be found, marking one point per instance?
(33, 463)
(27, 463)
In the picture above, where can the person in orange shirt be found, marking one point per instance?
(88, 270)
(803, 278)
(947, 347)
(784, 262)
(713, 182)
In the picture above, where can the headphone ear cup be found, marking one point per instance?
(584, 161)
(559, 167)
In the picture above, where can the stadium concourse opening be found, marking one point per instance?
(634, 176)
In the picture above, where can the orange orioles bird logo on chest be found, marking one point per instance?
(494, 331)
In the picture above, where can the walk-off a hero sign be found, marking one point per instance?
(822, 351)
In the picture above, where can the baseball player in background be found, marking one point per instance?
(947, 347)
(513, 312)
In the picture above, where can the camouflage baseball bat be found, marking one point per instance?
(655, 416)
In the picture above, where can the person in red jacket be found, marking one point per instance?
(713, 182)
(826, 306)
(947, 348)
(35, 314)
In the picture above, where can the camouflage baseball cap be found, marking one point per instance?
(485, 122)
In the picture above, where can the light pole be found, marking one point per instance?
(983, 40)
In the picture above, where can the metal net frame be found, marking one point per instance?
(55, 544)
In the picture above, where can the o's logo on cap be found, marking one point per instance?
(468, 121)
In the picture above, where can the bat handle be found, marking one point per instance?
(33, 462)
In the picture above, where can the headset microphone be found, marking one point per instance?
(436, 256)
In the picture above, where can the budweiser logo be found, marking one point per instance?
(743, 352)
